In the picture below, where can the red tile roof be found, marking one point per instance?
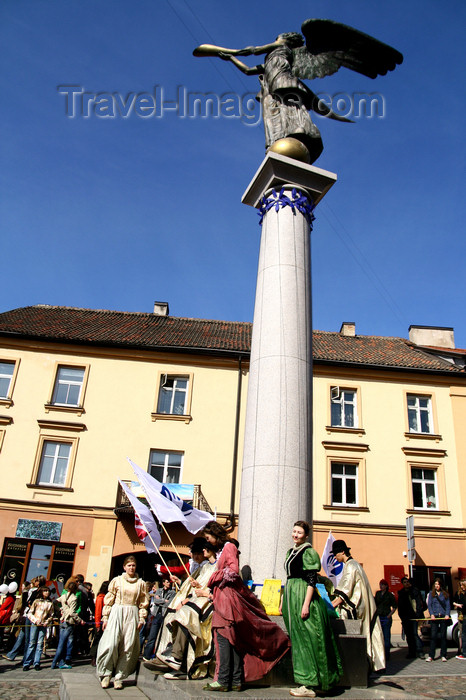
(125, 328)
(150, 331)
(377, 351)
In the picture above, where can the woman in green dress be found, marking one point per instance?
(316, 661)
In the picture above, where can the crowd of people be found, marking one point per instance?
(40, 618)
(201, 621)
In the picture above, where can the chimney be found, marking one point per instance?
(436, 336)
(348, 328)
(161, 308)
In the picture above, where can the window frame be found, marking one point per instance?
(166, 466)
(8, 400)
(420, 462)
(340, 401)
(424, 482)
(344, 479)
(357, 411)
(61, 439)
(4, 420)
(346, 453)
(69, 408)
(419, 410)
(185, 417)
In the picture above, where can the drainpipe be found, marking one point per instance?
(235, 447)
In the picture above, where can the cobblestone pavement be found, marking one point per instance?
(404, 678)
(33, 685)
(446, 687)
(36, 689)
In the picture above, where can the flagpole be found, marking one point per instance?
(160, 555)
(166, 532)
(173, 545)
(158, 550)
(145, 525)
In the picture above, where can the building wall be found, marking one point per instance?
(385, 448)
(385, 451)
(120, 398)
(119, 419)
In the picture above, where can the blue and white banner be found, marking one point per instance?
(330, 565)
(145, 525)
(167, 506)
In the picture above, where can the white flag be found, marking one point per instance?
(146, 525)
(330, 565)
(168, 507)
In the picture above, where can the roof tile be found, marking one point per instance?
(151, 331)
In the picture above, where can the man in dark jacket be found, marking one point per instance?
(410, 610)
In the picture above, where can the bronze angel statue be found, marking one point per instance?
(286, 100)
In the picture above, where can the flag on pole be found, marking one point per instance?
(168, 507)
(330, 565)
(144, 522)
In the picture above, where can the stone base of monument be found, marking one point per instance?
(351, 644)
(353, 652)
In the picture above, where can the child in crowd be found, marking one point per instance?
(41, 615)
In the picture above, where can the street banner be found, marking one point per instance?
(144, 524)
(167, 506)
(330, 565)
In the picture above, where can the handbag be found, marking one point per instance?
(15, 615)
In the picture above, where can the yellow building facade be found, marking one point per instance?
(81, 390)
(72, 413)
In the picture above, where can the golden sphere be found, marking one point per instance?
(293, 148)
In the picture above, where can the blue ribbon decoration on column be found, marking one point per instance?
(298, 202)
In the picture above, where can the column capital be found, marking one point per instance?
(277, 170)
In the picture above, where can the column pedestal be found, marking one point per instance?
(276, 485)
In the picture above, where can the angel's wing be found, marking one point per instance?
(331, 45)
(305, 65)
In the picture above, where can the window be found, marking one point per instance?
(68, 386)
(344, 484)
(54, 462)
(166, 466)
(420, 414)
(343, 406)
(424, 482)
(6, 375)
(25, 558)
(173, 395)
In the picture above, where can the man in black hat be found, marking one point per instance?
(355, 599)
(410, 610)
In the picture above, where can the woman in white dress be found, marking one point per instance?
(123, 615)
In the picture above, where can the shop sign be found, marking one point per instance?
(64, 552)
(393, 573)
(39, 529)
(16, 549)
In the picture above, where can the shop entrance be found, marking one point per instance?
(39, 561)
(424, 577)
(23, 559)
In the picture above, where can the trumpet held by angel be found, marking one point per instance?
(323, 48)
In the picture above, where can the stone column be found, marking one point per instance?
(276, 486)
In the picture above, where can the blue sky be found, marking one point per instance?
(118, 212)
